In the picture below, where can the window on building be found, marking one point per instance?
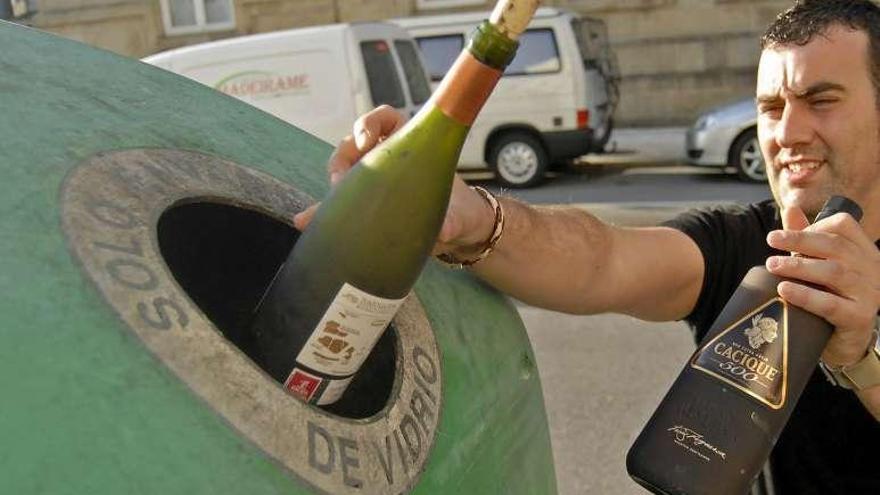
(17, 9)
(385, 87)
(439, 53)
(194, 16)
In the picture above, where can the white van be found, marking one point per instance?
(554, 103)
(318, 78)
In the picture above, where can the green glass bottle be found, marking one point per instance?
(354, 265)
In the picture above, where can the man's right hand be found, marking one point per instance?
(469, 218)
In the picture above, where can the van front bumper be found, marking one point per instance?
(562, 145)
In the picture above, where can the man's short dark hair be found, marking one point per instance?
(809, 18)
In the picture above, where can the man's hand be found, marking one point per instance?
(839, 256)
(469, 218)
(369, 130)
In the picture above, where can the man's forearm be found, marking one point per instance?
(566, 259)
(548, 256)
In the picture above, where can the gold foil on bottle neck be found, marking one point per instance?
(465, 88)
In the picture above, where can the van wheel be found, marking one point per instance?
(518, 160)
(602, 140)
(746, 157)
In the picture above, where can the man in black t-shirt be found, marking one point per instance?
(818, 96)
(828, 445)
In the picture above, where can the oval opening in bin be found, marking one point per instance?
(224, 257)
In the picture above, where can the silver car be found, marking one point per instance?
(727, 136)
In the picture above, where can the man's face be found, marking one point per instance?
(818, 121)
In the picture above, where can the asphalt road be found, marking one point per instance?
(669, 184)
(603, 375)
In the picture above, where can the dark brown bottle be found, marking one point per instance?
(715, 428)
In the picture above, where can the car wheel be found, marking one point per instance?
(746, 157)
(603, 138)
(518, 160)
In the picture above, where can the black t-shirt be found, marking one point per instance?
(831, 444)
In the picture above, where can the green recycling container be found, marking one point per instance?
(142, 216)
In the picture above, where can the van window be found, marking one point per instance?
(412, 69)
(384, 84)
(592, 40)
(537, 54)
(588, 42)
(439, 53)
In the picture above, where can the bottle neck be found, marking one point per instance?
(491, 46)
(471, 79)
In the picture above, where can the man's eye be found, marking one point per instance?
(823, 102)
(769, 109)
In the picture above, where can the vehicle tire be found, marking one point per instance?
(518, 160)
(746, 157)
(602, 140)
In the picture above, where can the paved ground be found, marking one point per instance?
(602, 377)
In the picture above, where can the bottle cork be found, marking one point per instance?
(512, 16)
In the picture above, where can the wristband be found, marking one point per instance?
(490, 243)
(861, 375)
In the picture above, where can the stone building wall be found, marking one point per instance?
(680, 57)
(676, 57)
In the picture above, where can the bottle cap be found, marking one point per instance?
(839, 204)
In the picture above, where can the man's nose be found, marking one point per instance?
(794, 127)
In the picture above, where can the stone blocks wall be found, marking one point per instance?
(677, 57)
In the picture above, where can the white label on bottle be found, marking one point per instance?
(347, 332)
(333, 390)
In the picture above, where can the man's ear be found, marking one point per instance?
(793, 218)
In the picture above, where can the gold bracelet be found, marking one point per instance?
(490, 243)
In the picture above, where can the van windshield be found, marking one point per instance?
(385, 86)
(414, 71)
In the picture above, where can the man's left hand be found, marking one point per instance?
(839, 257)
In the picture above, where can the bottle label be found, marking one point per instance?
(303, 384)
(347, 332)
(332, 390)
(752, 354)
(315, 389)
(696, 443)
